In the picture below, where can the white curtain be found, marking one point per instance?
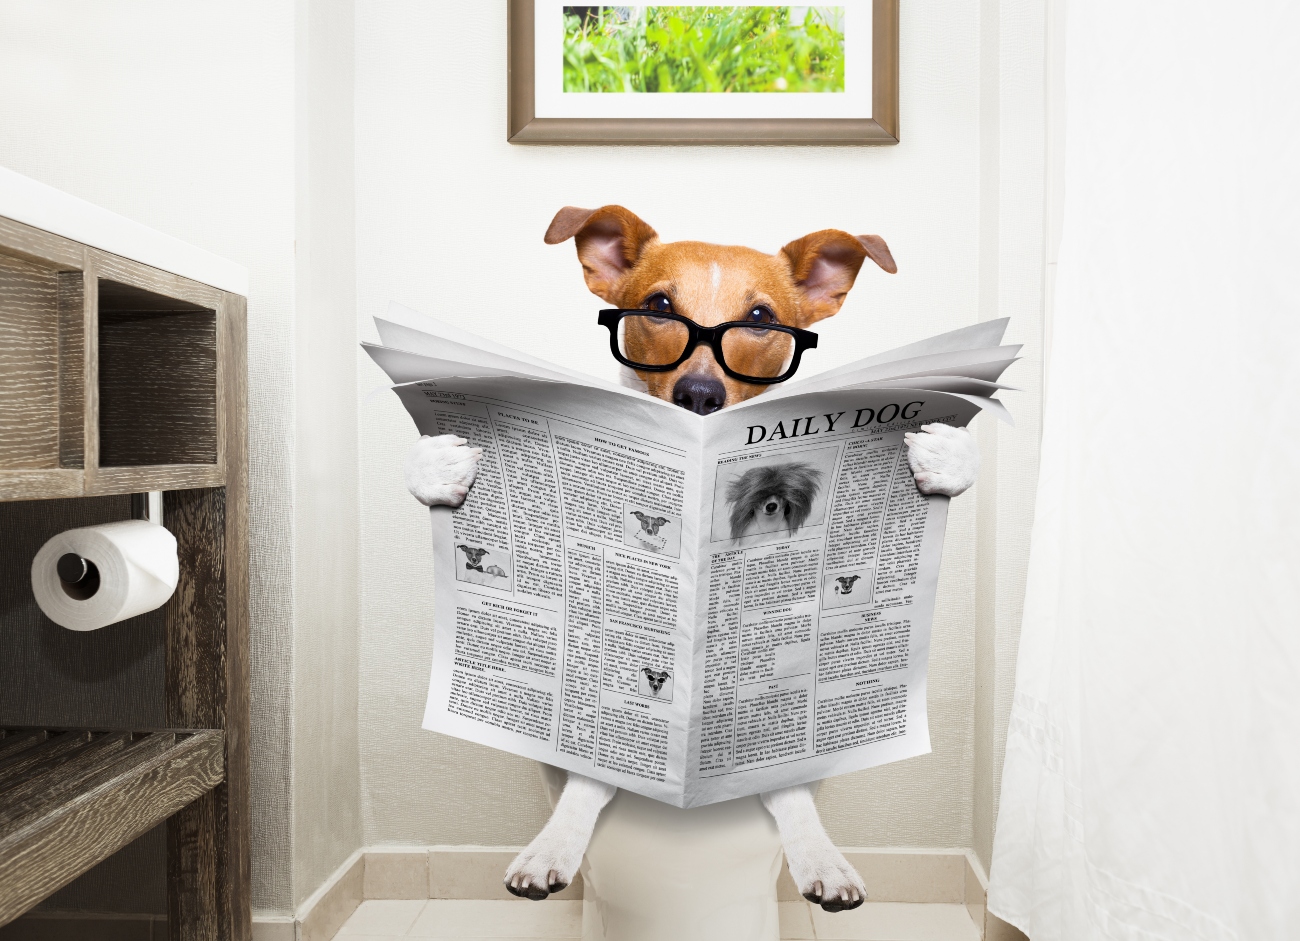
(1152, 779)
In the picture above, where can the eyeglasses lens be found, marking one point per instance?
(753, 351)
(652, 341)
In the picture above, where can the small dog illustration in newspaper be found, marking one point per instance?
(478, 573)
(645, 528)
(653, 683)
(844, 584)
(847, 589)
(772, 498)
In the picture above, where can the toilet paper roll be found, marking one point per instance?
(137, 570)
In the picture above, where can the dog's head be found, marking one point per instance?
(768, 499)
(626, 265)
(650, 524)
(473, 555)
(655, 679)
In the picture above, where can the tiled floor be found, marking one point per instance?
(525, 921)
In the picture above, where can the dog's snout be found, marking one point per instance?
(770, 507)
(702, 395)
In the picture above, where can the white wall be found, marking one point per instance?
(327, 800)
(450, 220)
(191, 118)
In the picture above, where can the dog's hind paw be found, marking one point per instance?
(537, 873)
(440, 470)
(944, 459)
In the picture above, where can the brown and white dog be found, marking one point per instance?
(626, 264)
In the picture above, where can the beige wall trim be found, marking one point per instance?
(991, 927)
(892, 874)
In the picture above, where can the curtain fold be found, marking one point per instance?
(1152, 780)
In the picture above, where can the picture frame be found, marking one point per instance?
(532, 105)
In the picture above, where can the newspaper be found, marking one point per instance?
(695, 609)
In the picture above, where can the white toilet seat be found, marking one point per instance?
(654, 872)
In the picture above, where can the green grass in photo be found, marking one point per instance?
(704, 49)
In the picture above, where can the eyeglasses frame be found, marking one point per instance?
(803, 340)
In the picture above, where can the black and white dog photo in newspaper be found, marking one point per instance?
(773, 499)
(653, 530)
(484, 565)
(625, 263)
(657, 684)
(847, 589)
(770, 498)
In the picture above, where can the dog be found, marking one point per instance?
(770, 499)
(626, 264)
(650, 524)
(474, 557)
(845, 586)
(474, 562)
(655, 678)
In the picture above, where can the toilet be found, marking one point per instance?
(654, 872)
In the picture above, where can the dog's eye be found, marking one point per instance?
(659, 302)
(760, 314)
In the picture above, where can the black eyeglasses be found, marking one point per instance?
(658, 342)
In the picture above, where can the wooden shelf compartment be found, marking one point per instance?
(114, 376)
(41, 363)
(69, 798)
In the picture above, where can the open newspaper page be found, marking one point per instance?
(564, 587)
(692, 609)
(816, 582)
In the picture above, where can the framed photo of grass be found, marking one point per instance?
(697, 73)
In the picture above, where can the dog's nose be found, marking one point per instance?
(770, 507)
(702, 395)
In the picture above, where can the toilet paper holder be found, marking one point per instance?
(80, 576)
(147, 506)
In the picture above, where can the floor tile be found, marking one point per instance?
(382, 917)
(463, 918)
(896, 921)
(796, 921)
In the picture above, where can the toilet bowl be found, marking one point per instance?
(654, 872)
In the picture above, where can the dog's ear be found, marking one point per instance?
(609, 239)
(825, 265)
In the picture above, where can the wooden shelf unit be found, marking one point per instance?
(71, 798)
(115, 378)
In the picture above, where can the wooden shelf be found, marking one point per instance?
(123, 369)
(115, 377)
(71, 798)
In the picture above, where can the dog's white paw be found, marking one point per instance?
(820, 871)
(944, 459)
(824, 876)
(552, 859)
(547, 865)
(440, 470)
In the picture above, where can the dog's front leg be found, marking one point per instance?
(943, 459)
(820, 871)
(552, 859)
(441, 469)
